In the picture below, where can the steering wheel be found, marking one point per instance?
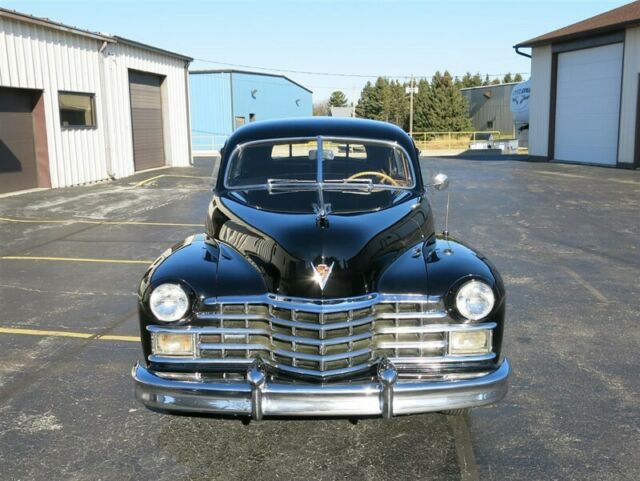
(373, 173)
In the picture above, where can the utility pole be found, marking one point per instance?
(353, 102)
(412, 89)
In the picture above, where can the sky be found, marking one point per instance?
(357, 39)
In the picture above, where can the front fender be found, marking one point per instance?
(450, 264)
(438, 268)
(205, 268)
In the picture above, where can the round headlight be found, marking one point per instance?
(475, 300)
(169, 302)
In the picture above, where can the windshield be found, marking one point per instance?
(333, 163)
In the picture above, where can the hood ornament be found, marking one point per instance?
(321, 273)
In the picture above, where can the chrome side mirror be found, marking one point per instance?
(440, 181)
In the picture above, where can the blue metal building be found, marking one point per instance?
(224, 100)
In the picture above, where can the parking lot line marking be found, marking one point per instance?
(96, 222)
(112, 337)
(40, 332)
(464, 448)
(73, 259)
(595, 292)
(151, 179)
(576, 176)
(77, 335)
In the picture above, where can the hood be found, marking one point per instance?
(358, 245)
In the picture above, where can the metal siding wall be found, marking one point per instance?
(631, 69)
(275, 98)
(45, 59)
(210, 107)
(496, 108)
(50, 60)
(539, 102)
(120, 58)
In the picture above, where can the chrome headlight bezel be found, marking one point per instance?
(478, 291)
(162, 298)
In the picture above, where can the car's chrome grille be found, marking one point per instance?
(322, 338)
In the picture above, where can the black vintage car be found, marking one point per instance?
(320, 287)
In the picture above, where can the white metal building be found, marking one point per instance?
(78, 106)
(584, 100)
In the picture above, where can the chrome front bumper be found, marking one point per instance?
(256, 397)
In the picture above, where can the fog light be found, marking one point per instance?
(166, 344)
(470, 342)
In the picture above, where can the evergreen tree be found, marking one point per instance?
(507, 78)
(421, 106)
(486, 80)
(438, 106)
(518, 78)
(371, 102)
(447, 109)
(385, 100)
(469, 80)
(397, 104)
(338, 99)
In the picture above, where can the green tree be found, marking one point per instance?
(385, 100)
(421, 106)
(469, 80)
(370, 103)
(446, 108)
(338, 99)
(507, 79)
(397, 104)
(518, 78)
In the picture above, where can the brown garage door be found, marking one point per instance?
(146, 117)
(18, 169)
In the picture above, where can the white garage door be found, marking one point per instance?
(588, 105)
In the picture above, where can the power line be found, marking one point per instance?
(334, 74)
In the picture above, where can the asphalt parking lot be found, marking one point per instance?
(566, 239)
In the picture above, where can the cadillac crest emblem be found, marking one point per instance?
(321, 274)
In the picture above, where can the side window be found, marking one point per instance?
(76, 109)
(239, 122)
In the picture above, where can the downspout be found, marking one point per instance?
(188, 100)
(104, 109)
(521, 53)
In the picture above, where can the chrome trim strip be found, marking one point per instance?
(310, 326)
(322, 342)
(321, 358)
(431, 328)
(327, 373)
(198, 360)
(338, 399)
(444, 359)
(324, 305)
(411, 345)
(436, 328)
(396, 360)
(412, 315)
(229, 346)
